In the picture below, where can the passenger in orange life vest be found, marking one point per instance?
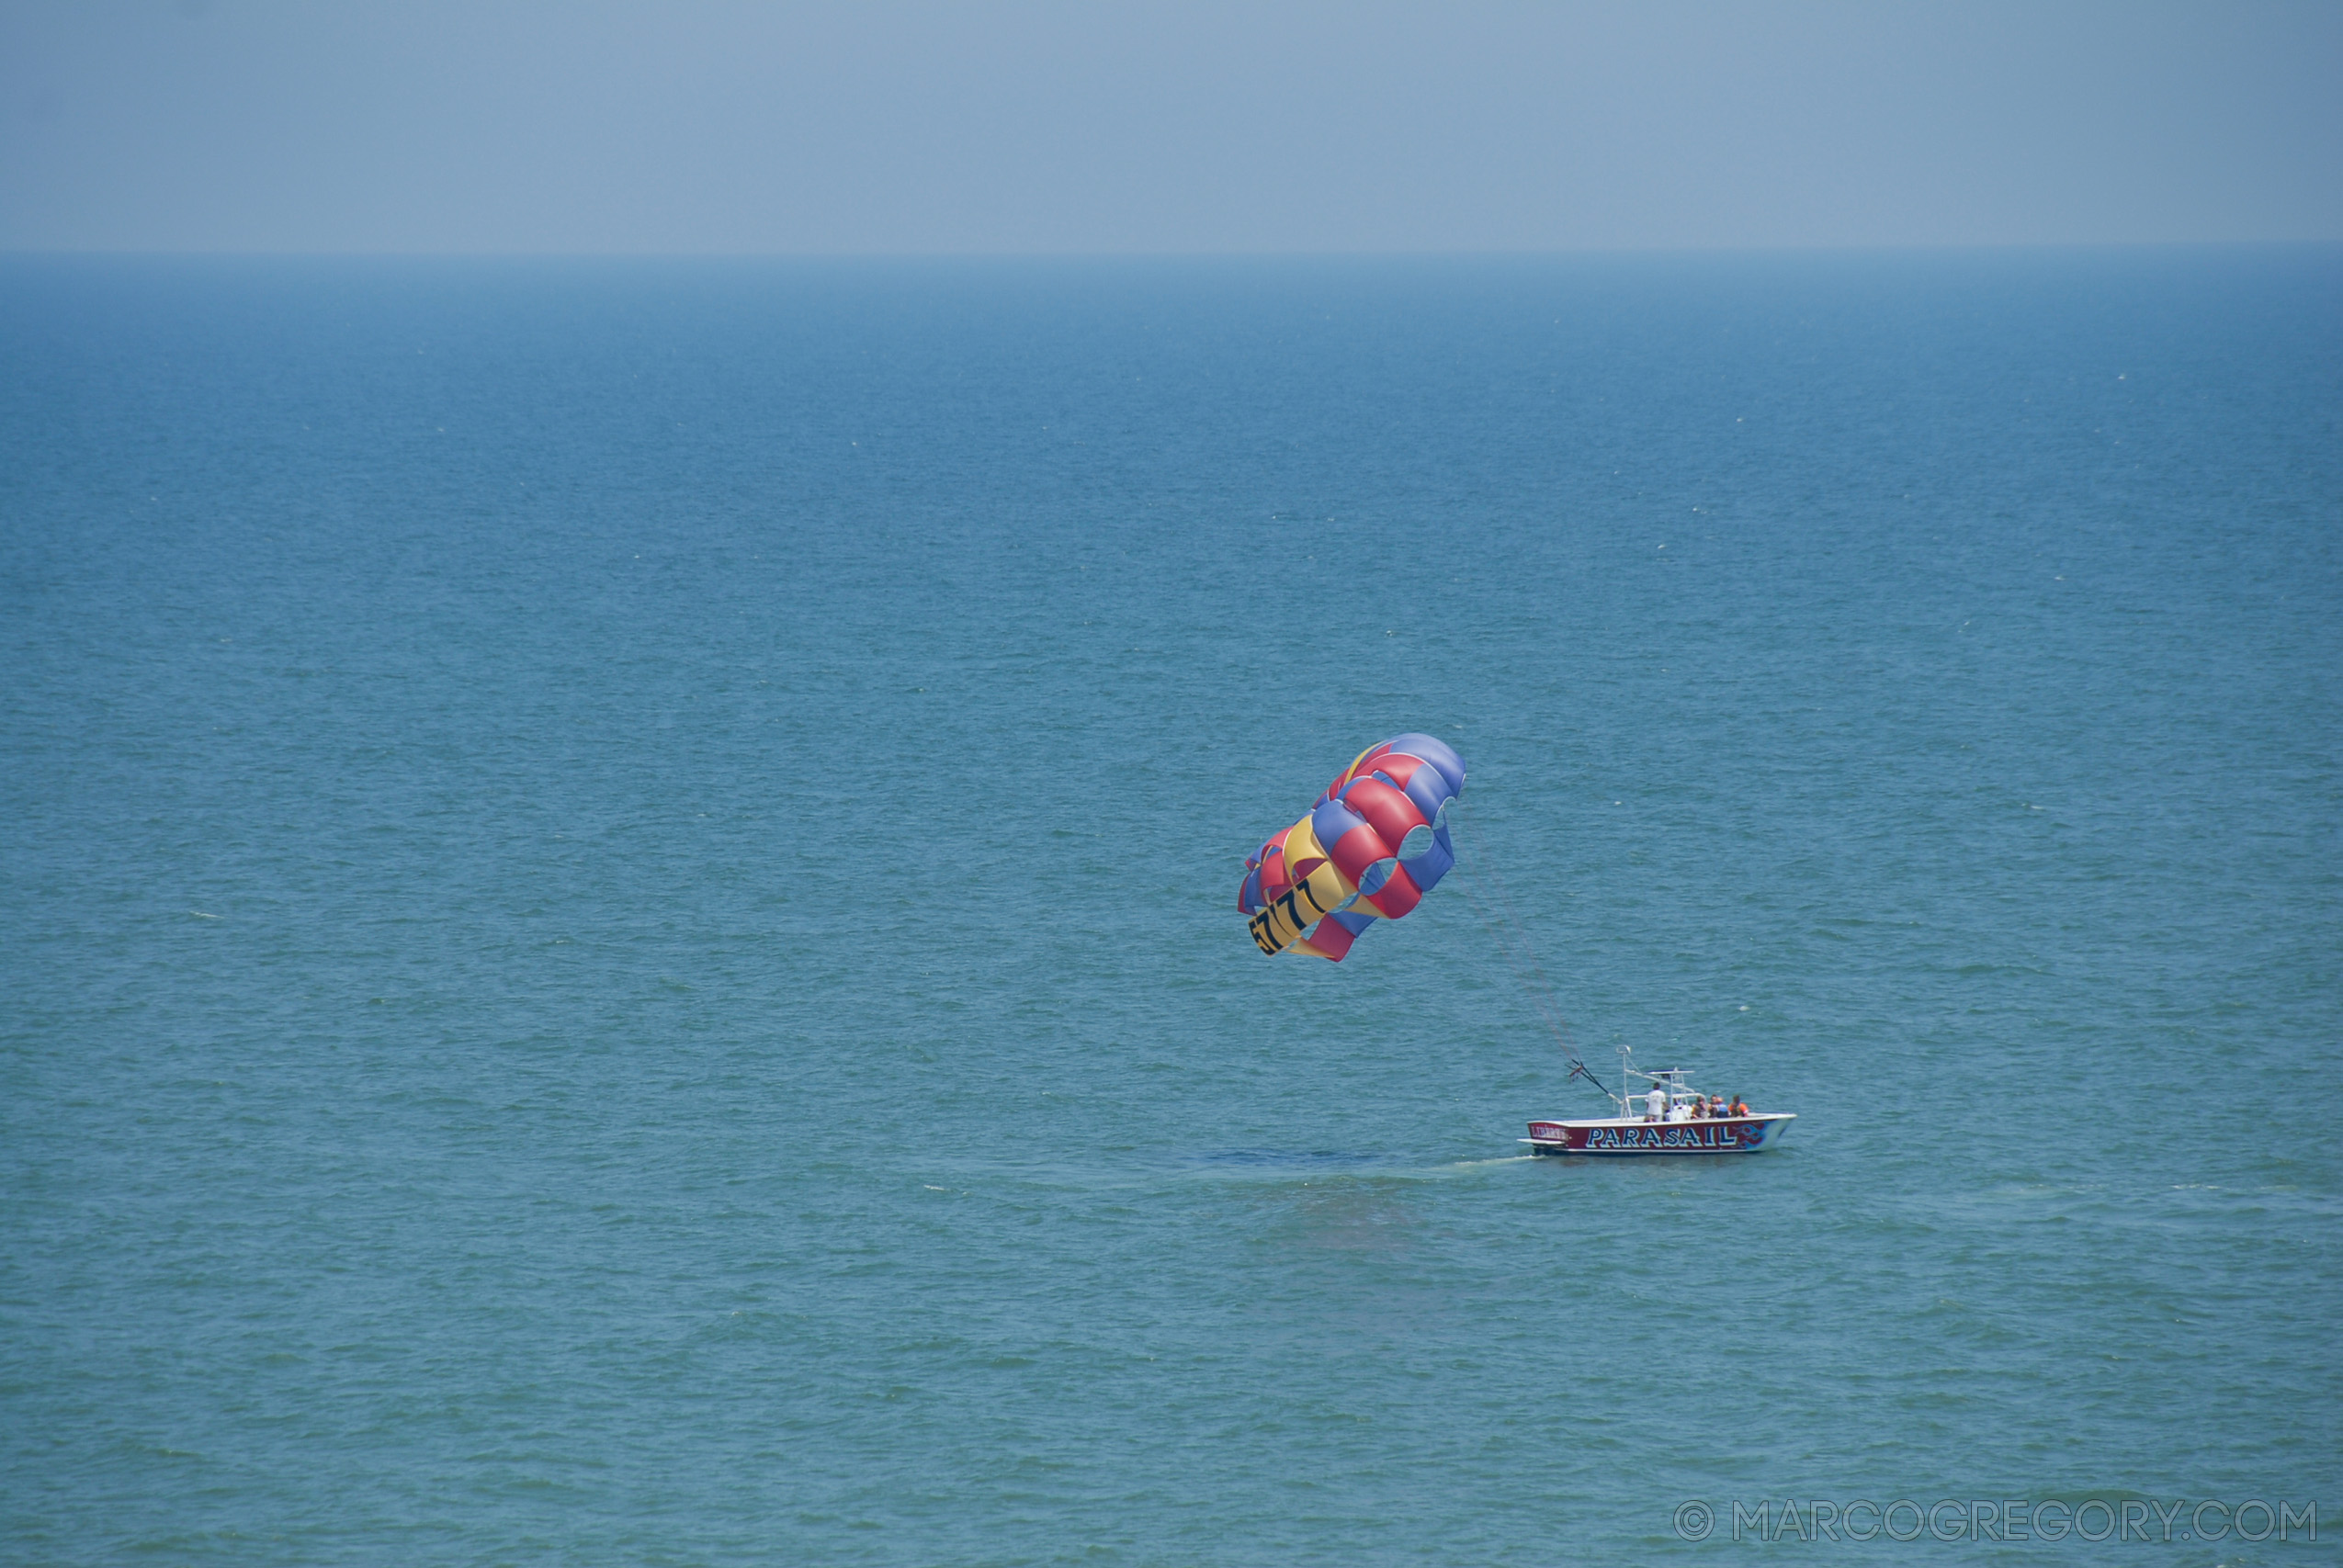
(1740, 1106)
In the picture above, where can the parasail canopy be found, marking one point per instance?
(1372, 846)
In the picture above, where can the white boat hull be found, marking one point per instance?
(1628, 1135)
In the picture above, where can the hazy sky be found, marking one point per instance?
(421, 125)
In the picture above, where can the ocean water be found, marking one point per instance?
(619, 939)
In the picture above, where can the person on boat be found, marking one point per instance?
(1717, 1108)
(1740, 1106)
(1700, 1108)
(1655, 1104)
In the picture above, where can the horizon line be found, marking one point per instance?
(62, 253)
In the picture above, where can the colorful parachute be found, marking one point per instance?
(1374, 845)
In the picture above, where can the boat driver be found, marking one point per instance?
(1655, 1104)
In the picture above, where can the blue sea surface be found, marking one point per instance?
(619, 938)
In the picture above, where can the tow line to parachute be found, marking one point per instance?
(1511, 938)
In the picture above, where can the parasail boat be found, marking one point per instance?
(1672, 1129)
